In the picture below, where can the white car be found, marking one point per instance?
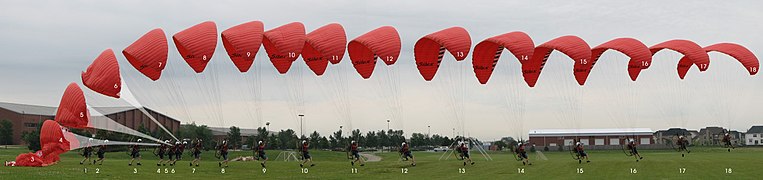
(441, 148)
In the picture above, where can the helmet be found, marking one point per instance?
(304, 142)
(631, 141)
(225, 141)
(403, 144)
(91, 139)
(167, 141)
(259, 142)
(353, 142)
(139, 140)
(727, 134)
(519, 144)
(681, 137)
(177, 143)
(578, 143)
(106, 141)
(185, 142)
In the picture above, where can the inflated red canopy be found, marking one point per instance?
(103, 76)
(745, 57)
(52, 140)
(689, 49)
(323, 45)
(284, 45)
(429, 50)
(382, 42)
(242, 42)
(197, 44)
(72, 111)
(572, 46)
(488, 52)
(640, 55)
(148, 54)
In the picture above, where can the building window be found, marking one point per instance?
(30, 125)
(599, 141)
(754, 135)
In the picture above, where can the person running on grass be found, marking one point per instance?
(581, 153)
(634, 151)
(261, 153)
(87, 152)
(171, 153)
(196, 152)
(101, 153)
(522, 154)
(135, 153)
(224, 154)
(465, 154)
(356, 154)
(161, 151)
(179, 148)
(405, 150)
(727, 142)
(306, 155)
(682, 143)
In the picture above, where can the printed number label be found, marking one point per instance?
(580, 171)
(525, 57)
(159, 171)
(753, 69)
(460, 54)
(264, 170)
(222, 171)
(583, 61)
(728, 171)
(390, 58)
(334, 57)
(135, 170)
(521, 170)
(97, 170)
(292, 54)
(85, 170)
(644, 63)
(634, 171)
(404, 170)
(681, 170)
(354, 171)
(193, 170)
(461, 170)
(305, 171)
(703, 66)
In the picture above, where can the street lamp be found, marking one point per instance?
(301, 121)
(429, 130)
(388, 125)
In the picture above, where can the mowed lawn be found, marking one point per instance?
(702, 163)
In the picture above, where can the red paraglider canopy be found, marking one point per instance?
(745, 57)
(30, 160)
(323, 45)
(197, 44)
(572, 46)
(148, 54)
(640, 55)
(72, 111)
(103, 76)
(284, 45)
(691, 50)
(488, 52)
(429, 50)
(52, 141)
(382, 42)
(242, 42)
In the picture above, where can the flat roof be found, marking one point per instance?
(590, 132)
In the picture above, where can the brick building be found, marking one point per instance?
(592, 138)
(29, 117)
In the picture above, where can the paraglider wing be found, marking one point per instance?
(72, 111)
(284, 45)
(323, 45)
(148, 54)
(30, 160)
(382, 42)
(745, 57)
(691, 50)
(52, 138)
(103, 76)
(487, 52)
(640, 55)
(242, 42)
(429, 50)
(197, 44)
(572, 46)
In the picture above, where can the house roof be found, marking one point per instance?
(590, 132)
(755, 129)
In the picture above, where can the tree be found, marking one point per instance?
(32, 139)
(315, 137)
(372, 140)
(383, 139)
(418, 139)
(272, 142)
(323, 143)
(6, 132)
(234, 137)
(287, 139)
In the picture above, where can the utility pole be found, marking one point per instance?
(301, 121)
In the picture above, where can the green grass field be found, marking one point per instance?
(702, 163)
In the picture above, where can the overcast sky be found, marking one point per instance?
(46, 44)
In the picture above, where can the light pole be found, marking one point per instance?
(454, 132)
(429, 131)
(301, 121)
(388, 125)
